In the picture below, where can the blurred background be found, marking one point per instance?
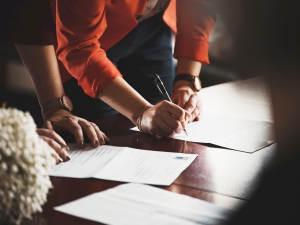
(17, 90)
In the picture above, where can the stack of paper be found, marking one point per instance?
(137, 204)
(124, 164)
(234, 133)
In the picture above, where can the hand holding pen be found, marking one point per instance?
(160, 86)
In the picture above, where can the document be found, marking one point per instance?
(248, 99)
(228, 132)
(135, 204)
(124, 164)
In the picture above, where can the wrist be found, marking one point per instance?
(61, 103)
(183, 84)
(187, 80)
(50, 113)
(140, 117)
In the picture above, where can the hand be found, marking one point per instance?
(57, 144)
(189, 100)
(60, 120)
(164, 119)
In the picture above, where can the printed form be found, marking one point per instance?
(137, 204)
(124, 164)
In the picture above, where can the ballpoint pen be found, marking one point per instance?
(160, 86)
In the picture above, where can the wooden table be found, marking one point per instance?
(221, 176)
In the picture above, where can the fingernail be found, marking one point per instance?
(96, 141)
(81, 144)
(107, 140)
(60, 159)
(68, 157)
(102, 140)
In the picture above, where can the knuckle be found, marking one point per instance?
(88, 125)
(181, 113)
(77, 128)
(69, 118)
(93, 124)
(165, 103)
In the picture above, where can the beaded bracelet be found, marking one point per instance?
(139, 120)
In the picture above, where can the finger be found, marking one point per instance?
(188, 118)
(198, 117)
(168, 126)
(74, 128)
(192, 103)
(90, 132)
(195, 114)
(51, 134)
(174, 110)
(61, 151)
(101, 136)
(58, 160)
(175, 125)
(162, 129)
(48, 125)
(182, 101)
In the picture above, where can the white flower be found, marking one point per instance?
(24, 161)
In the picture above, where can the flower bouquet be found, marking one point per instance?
(24, 162)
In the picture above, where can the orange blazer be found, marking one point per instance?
(86, 29)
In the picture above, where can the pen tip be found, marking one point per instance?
(185, 132)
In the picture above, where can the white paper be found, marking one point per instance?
(124, 164)
(248, 99)
(137, 204)
(229, 132)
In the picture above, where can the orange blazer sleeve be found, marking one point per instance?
(195, 20)
(79, 25)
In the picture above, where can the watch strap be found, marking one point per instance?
(58, 103)
(184, 76)
(190, 78)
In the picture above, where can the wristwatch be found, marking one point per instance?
(59, 103)
(195, 80)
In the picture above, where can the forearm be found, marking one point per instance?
(122, 97)
(41, 63)
(189, 66)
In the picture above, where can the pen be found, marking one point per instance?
(160, 86)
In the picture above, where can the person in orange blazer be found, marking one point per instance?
(112, 49)
(29, 26)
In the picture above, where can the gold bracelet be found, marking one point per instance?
(139, 120)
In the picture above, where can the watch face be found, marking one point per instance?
(66, 102)
(197, 83)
